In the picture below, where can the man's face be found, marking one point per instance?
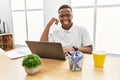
(65, 17)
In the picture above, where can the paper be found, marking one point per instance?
(1, 50)
(18, 52)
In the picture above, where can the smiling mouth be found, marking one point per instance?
(65, 22)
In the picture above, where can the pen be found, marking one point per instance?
(69, 53)
(76, 50)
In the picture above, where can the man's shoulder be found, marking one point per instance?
(78, 27)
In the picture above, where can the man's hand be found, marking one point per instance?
(44, 36)
(68, 50)
(53, 20)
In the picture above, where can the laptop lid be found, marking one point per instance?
(49, 50)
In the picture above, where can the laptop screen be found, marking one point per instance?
(49, 50)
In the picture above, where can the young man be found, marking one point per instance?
(67, 34)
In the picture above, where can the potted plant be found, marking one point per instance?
(31, 63)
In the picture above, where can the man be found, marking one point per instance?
(67, 34)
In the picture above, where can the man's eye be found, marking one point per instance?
(62, 15)
(67, 15)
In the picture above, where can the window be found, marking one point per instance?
(108, 29)
(108, 2)
(77, 3)
(19, 26)
(28, 20)
(102, 20)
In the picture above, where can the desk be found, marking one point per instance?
(59, 70)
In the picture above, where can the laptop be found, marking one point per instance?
(49, 50)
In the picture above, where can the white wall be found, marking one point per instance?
(5, 13)
(51, 8)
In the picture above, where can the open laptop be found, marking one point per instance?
(49, 50)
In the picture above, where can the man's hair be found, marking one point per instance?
(64, 6)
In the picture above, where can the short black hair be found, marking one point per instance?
(64, 6)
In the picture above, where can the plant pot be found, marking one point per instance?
(32, 70)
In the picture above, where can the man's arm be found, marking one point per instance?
(44, 36)
(86, 49)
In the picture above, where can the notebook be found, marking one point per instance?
(49, 50)
(17, 52)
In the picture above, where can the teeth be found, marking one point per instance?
(66, 22)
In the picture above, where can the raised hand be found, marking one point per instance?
(53, 20)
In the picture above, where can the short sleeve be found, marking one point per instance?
(86, 39)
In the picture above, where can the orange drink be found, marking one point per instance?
(99, 58)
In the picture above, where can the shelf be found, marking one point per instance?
(6, 41)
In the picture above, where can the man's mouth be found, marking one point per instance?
(65, 22)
